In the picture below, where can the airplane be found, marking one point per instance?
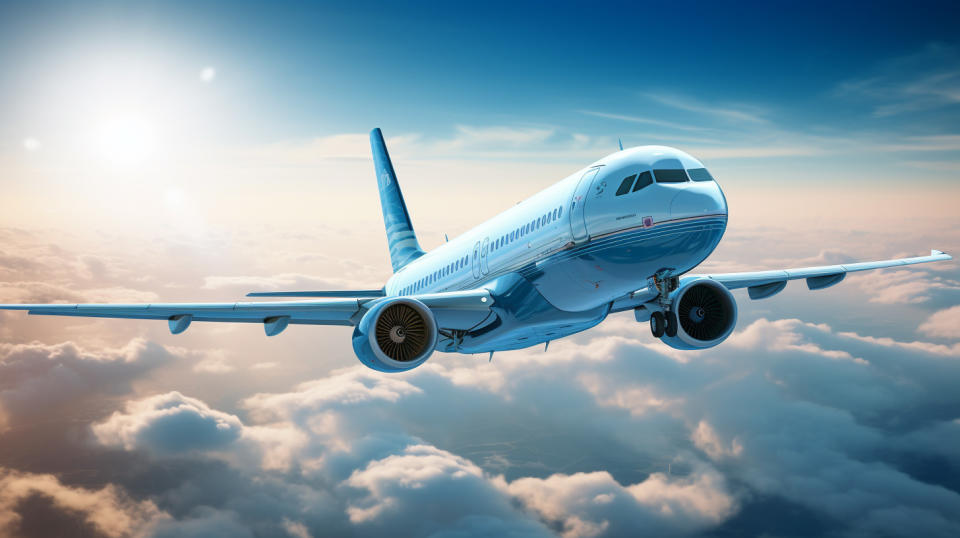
(620, 234)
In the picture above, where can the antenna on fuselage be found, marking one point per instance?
(620, 142)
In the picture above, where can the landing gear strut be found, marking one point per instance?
(665, 321)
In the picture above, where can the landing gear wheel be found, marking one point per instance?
(657, 324)
(671, 328)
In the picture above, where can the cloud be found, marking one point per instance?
(169, 423)
(674, 447)
(708, 441)
(904, 286)
(644, 120)
(911, 83)
(35, 378)
(215, 363)
(594, 504)
(342, 387)
(445, 491)
(741, 113)
(944, 323)
(108, 510)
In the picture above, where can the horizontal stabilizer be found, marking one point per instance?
(335, 293)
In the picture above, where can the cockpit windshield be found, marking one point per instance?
(699, 174)
(670, 175)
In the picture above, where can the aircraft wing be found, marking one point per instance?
(762, 284)
(461, 309)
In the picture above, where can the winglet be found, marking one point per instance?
(620, 142)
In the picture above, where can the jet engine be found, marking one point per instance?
(706, 314)
(395, 335)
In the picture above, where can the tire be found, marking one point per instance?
(671, 324)
(657, 324)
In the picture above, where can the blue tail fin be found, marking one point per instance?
(401, 239)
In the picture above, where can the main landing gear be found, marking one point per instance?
(663, 324)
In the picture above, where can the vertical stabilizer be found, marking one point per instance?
(401, 239)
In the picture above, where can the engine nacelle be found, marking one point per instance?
(706, 314)
(395, 335)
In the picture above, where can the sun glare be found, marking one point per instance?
(207, 74)
(125, 140)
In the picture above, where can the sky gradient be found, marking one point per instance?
(174, 151)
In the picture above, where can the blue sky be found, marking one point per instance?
(175, 151)
(308, 69)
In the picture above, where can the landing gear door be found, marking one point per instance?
(578, 223)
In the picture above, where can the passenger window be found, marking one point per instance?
(699, 174)
(642, 181)
(559, 212)
(625, 185)
(670, 176)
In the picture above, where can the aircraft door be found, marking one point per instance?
(475, 263)
(484, 250)
(578, 224)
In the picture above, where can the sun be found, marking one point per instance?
(125, 139)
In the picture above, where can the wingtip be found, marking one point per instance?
(935, 252)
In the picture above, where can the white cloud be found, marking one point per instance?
(36, 378)
(169, 422)
(108, 509)
(742, 113)
(594, 504)
(944, 323)
(706, 439)
(348, 386)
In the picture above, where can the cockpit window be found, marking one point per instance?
(670, 176)
(625, 185)
(645, 179)
(699, 174)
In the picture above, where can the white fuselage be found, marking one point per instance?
(579, 243)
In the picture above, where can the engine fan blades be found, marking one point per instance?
(401, 333)
(702, 313)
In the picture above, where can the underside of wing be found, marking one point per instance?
(763, 284)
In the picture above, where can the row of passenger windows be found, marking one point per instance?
(449, 269)
(531, 226)
(636, 182)
(499, 243)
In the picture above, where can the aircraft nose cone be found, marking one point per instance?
(697, 200)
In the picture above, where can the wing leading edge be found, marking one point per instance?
(451, 309)
(762, 284)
